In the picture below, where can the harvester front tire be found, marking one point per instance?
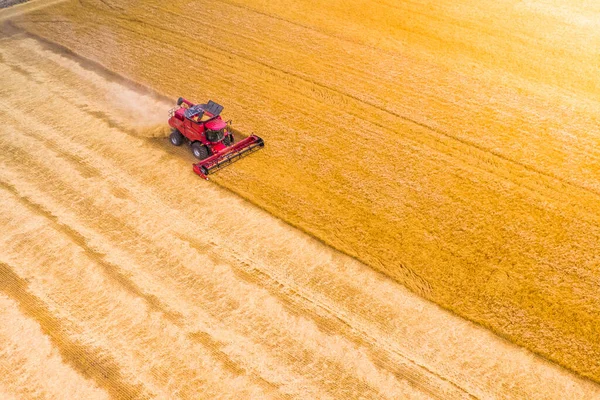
(199, 151)
(228, 141)
(176, 138)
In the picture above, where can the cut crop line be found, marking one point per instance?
(384, 110)
(26, 7)
(89, 64)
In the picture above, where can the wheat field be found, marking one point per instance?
(448, 146)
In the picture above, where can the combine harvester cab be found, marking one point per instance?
(210, 138)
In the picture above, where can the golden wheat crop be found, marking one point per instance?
(451, 150)
(123, 275)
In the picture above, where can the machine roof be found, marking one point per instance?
(211, 107)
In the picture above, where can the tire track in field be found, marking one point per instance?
(89, 362)
(29, 361)
(301, 304)
(219, 352)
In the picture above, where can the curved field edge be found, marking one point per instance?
(524, 265)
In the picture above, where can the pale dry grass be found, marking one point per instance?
(145, 285)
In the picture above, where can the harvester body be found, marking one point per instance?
(210, 138)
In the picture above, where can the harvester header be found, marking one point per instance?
(209, 137)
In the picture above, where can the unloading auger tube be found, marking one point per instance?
(228, 156)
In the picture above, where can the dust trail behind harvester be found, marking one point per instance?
(144, 114)
(121, 104)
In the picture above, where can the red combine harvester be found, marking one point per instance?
(209, 136)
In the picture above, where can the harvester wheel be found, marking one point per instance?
(228, 141)
(176, 138)
(199, 150)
